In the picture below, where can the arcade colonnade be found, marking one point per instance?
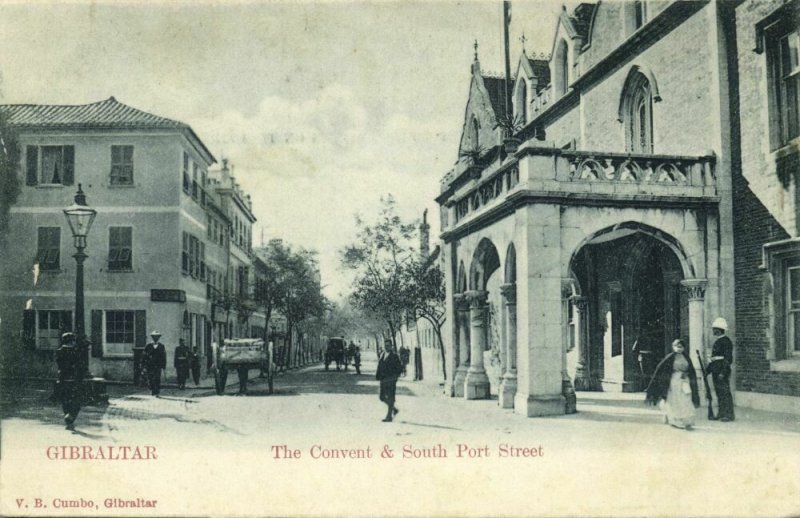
(521, 297)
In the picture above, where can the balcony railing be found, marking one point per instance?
(575, 174)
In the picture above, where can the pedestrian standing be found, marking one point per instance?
(357, 360)
(241, 371)
(405, 356)
(674, 387)
(181, 363)
(389, 369)
(720, 368)
(194, 362)
(155, 360)
(70, 376)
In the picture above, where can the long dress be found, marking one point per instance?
(678, 409)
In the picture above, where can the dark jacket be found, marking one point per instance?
(182, 355)
(659, 385)
(723, 346)
(389, 366)
(68, 360)
(155, 356)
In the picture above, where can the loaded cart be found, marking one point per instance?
(247, 353)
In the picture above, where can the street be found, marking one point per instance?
(323, 430)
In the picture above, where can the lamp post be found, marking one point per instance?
(80, 218)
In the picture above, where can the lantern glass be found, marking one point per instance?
(80, 218)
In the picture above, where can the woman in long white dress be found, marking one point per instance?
(674, 387)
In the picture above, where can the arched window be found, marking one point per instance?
(521, 101)
(562, 69)
(475, 133)
(638, 114)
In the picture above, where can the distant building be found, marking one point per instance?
(166, 239)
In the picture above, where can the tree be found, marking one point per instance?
(378, 259)
(9, 170)
(303, 296)
(425, 295)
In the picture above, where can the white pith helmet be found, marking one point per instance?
(719, 323)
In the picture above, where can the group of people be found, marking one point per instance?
(154, 360)
(674, 384)
(72, 371)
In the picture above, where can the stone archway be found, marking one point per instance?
(483, 283)
(630, 307)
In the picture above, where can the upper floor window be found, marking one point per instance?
(522, 101)
(475, 133)
(561, 76)
(195, 191)
(49, 165)
(783, 59)
(638, 114)
(639, 14)
(186, 182)
(48, 247)
(121, 165)
(120, 246)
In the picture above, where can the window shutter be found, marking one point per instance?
(97, 333)
(31, 165)
(29, 328)
(140, 328)
(66, 321)
(69, 165)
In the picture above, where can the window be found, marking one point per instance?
(121, 165)
(51, 324)
(637, 114)
(783, 58)
(118, 332)
(120, 246)
(522, 101)
(561, 77)
(48, 253)
(639, 14)
(185, 254)
(475, 135)
(194, 182)
(49, 165)
(186, 182)
(193, 257)
(792, 309)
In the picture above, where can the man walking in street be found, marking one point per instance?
(181, 363)
(389, 369)
(70, 376)
(720, 368)
(155, 360)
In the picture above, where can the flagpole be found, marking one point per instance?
(506, 23)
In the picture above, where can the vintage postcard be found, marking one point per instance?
(400, 258)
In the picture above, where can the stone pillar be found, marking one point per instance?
(476, 384)
(583, 377)
(695, 291)
(508, 385)
(462, 343)
(567, 390)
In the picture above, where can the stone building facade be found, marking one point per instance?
(158, 251)
(602, 229)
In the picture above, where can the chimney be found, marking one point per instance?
(424, 237)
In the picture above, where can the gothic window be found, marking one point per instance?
(639, 14)
(638, 116)
(562, 69)
(783, 61)
(522, 101)
(474, 133)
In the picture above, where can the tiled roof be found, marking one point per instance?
(496, 88)
(541, 69)
(105, 114)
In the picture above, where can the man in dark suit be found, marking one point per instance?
(155, 360)
(70, 376)
(389, 369)
(181, 363)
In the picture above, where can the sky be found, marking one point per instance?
(321, 107)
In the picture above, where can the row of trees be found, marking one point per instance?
(393, 282)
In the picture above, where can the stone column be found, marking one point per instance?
(583, 377)
(508, 385)
(462, 321)
(476, 384)
(567, 390)
(695, 291)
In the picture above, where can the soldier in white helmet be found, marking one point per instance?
(720, 368)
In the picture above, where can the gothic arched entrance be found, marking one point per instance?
(631, 308)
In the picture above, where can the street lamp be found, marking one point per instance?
(80, 218)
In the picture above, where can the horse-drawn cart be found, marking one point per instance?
(242, 353)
